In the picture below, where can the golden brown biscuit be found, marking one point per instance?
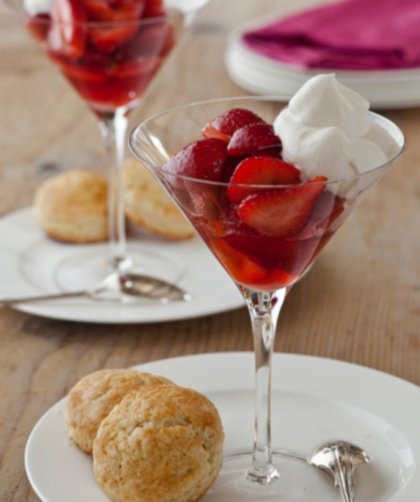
(159, 444)
(93, 398)
(72, 207)
(148, 205)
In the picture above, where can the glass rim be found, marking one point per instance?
(170, 14)
(132, 139)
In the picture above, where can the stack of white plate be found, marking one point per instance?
(262, 75)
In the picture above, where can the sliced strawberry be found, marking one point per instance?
(101, 10)
(274, 151)
(317, 179)
(277, 279)
(241, 267)
(318, 221)
(169, 42)
(107, 36)
(328, 208)
(109, 39)
(142, 65)
(98, 10)
(38, 26)
(210, 132)
(337, 211)
(225, 125)
(281, 212)
(67, 36)
(251, 273)
(202, 159)
(121, 3)
(154, 8)
(81, 71)
(261, 171)
(130, 11)
(151, 39)
(251, 138)
(208, 202)
(230, 166)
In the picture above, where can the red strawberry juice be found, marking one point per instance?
(252, 209)
(109, 50)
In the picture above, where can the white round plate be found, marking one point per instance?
(313, 400)
(262, 75)
(28, 264)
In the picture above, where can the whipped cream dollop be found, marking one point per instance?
(326, 131)
(34, 7)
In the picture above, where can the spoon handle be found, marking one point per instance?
(56, 296)
(344, 473)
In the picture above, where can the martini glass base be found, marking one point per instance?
(298, 481)
(84, 269)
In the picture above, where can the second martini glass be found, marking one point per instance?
(262, 265)
(109, 51)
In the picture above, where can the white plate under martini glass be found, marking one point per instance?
(31, 264)
(313, 399)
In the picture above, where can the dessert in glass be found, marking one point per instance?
(266, 191)
(110, 51)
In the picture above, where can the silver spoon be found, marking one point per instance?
(340, 459)
(130, 284)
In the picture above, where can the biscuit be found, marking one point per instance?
(93, 398)
(159, 444)
(148, 205)
(72, 207)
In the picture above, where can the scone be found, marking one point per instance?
(72, 207)
(148, 205)
(93, 398)
(160, 444)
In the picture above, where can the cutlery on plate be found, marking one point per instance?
(130, 284)
(340, 459)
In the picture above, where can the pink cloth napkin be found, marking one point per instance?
(350, 35)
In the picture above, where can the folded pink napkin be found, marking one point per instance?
(350, 35)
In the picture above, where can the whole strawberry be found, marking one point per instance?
(224, 126)
(203, 159)
(252, 138)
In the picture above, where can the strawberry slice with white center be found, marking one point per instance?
(282, 212)
(67, 36)
(251, 138)
(224, 126)
(260, 171)
(203, 159)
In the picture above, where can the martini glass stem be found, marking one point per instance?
(264, 309)
(113, 127)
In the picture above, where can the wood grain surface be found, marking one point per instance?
(359, 303)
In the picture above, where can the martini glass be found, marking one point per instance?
(110, 52)
(263, 266)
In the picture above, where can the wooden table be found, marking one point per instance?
(360, 303)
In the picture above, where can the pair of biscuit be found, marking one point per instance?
(152, 441)
(72, 207)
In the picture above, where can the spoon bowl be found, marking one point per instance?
(339, 459)
(130, 284)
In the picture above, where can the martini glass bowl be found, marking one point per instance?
(109, 51)
(262, 265)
